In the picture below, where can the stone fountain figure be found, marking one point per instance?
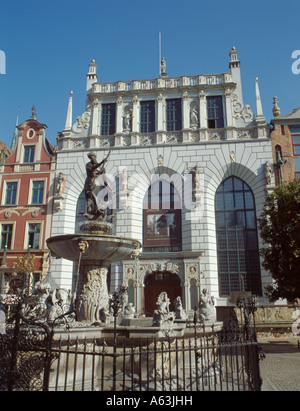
(207, 309)
(179, 311)
(162, 315)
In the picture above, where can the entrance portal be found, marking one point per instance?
(155, 284)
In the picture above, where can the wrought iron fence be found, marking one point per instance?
(173, 364)
(32, 359)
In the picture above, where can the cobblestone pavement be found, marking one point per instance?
(280, 370)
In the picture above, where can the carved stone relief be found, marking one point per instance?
(82, 123)
(240, 110)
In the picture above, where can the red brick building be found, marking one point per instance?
(285, 138)
(26, 191)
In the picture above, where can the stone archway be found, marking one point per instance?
(157, 282)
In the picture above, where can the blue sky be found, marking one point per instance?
(49, 44)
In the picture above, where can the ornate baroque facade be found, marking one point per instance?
(188, 172)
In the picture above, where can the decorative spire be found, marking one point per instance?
(259, 110)
(276, 109)
(235, 68)
(15, 136)
(234, 61)
(33, 115)
(68, 125)
(91, 75)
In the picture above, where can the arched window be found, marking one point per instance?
(237, 239)
(162, 217)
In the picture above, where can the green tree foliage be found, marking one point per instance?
(279, 227)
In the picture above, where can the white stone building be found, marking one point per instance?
(203, 153)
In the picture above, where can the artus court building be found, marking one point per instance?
(188, 171)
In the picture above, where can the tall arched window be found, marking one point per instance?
(162, 217)
(237, 239)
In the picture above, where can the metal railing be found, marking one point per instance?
(32, 359)
(179, 364)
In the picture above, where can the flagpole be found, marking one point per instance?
(159, 54)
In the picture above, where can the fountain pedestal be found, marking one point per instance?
(94, 252)
(92, 301)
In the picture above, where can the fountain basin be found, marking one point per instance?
(94, 253)
(101, 248)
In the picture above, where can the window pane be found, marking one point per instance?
(147, 116)
(296, 139)
(251, 221)
(294, 130)
(224, 284)
(6, 236)
(222, 261)
(38, 192)
(233, 261)
(215, 112)
(252, 240)
(297, 149)
(108, 119)
(28, 154)
(227, 185)
(221, 239)
(11, 193)
(231, 240)
(249, 203)
(230, 219)
(219, 201)
(237, 242)
(229, 203)
(242, 239)
(240, 219)
(239, 200)
(234, 282)
(238, 184)
(34, 236)
(220, 217)
(173, 114)
(297, 164)
(162, 216)
(242, 261)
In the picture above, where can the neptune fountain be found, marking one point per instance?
(94, 250)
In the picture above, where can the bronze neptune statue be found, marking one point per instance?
(93, 170)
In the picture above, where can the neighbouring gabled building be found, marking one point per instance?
(190, 168)
(27, 178)
(285, 138)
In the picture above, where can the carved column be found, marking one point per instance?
(202, 110)
(96, 118)
(229, 122)
(135, 114)
(119, 116)
(160, 112)
(92, 300)
(185, 111)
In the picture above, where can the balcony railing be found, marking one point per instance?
(161, 83)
